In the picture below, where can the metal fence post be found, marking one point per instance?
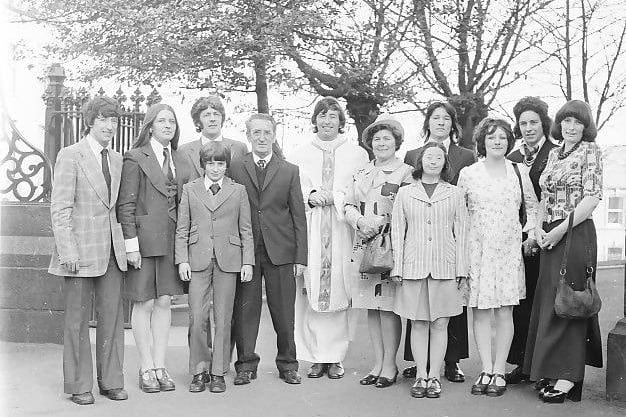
(53, 97)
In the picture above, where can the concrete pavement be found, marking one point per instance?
(31, 383)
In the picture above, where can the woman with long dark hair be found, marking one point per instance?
(153, 174)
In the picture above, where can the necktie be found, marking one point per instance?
(167, 167)
(105, 169)
(261, 163)
(215, 187)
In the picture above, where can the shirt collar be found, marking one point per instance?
(204, 140)
(158, 148)
(96, 148)
(538, 145)
(445, 143)
(258, 158)
(208, 183)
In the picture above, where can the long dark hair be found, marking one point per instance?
(455, 129)
(144, 134)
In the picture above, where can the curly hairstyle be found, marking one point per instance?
(203, 103)
(534, 104)
(99, 106)
(486, 127)
(395, 132)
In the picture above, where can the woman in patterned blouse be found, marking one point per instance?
(557, 348)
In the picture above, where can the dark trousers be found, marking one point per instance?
(457, 339)
(77, 362)
(280, 289)
(521, 312)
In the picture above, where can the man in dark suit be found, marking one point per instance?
(280, 237)
(208, 115)
(90, 254)
(532, 125)
(441, 125)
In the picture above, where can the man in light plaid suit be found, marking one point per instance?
(90, 254)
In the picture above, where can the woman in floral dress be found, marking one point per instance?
(496, 271)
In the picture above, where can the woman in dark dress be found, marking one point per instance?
(152, 177)
(557, 348)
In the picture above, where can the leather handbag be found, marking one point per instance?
(377, 254)
(570, 303)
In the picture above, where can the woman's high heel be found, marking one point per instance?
(556, 396)
(368, 379)
(383, 382)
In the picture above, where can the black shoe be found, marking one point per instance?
(335, 370)
(494, 390)
(290, 377)
(198, 382)
(317, 370)
(479, 386)
(543, 383)
(556, 396)
(115, 394)
(85, 398)
(217, 384)
(410, 372)
(384, 382)
(368, 379)
(516, 376)
(453, 373)
(244, 377)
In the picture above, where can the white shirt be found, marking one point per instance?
(96, 148)
(537, 146)
(158, 152)
(204, 140)
(257, 158)
(445, 143)
(208, 183)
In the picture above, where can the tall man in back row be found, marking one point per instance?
(90, 254)
(280, 238)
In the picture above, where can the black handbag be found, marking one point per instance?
(377, 254)
(570, 303)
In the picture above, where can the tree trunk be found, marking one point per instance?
(364, 112)
(260, 72)
(470, 109)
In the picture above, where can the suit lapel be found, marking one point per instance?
(272, 169)
(93, 172)
(454, 156)
(203, 195)
(419, 193)
(250, 167)
(542, 156)
(194, 155)
(442, 191)
(116, 173)
(225, 191)
(150, 166)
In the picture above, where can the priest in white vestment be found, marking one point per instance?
(326, 164)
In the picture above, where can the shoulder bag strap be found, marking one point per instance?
(568, 241)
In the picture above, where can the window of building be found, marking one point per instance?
(615, 212)
(614, 254)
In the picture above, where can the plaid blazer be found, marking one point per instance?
(84, 221)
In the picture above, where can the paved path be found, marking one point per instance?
(31, 384)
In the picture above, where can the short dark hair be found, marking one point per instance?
(534, 104)
(582, 112)
(397, 135)
(486, 127)
(151, 114)
(446, 171)
(323, 106)
(99, 106)
(214, 151)
(203, 103)
(260, 116)
(455, 129)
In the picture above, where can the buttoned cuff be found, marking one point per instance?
(132, 245)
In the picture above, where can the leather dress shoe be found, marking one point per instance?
(85, 398)
(384, 382)
(244, 377)
(368, 379)
(556, 396)
(317, 370)
(335, 370)
(198, 382)
(493, 389)
(290, 376)
(433, 389)
(217, 384)
(480, 386)
(410, 372)
(516, 376)
(418, 390)
(543, 383)
(166, 383)
(453, 373)
(115, 394)
(148, 382)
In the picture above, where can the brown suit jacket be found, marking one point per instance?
(143, 207)
(84, 221)
(214, 225)
(192, 151)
